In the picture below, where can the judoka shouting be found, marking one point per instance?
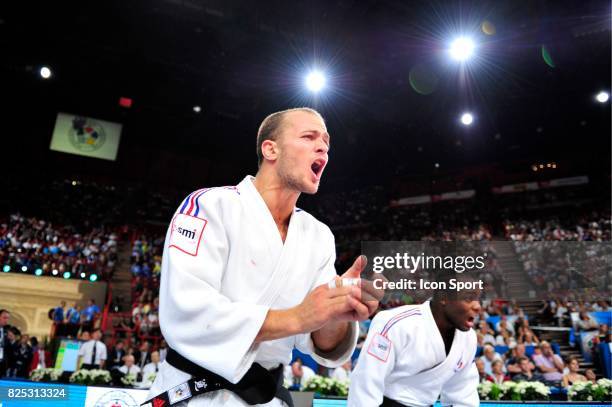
(417, 353)
(246, 276)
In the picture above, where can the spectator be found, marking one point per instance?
(91, 313)
(163, 350)
(23, 357)
(116, 355)
(489, 356)
(527, 374)
(573, 376)
(549, 364)
(503, 324)
(343, 372)
(497, 376)
(142, 356)
(41, 358)
(527, 337)
(73, 320)
(58, 320)
(153, 367)
(297, 374)
(11, 350)
(4, 342)
(92, 354)
(128, 367)
(486, 332)
(513, 365)
(586, 322)
(481, 370)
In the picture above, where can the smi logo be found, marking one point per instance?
(190, 234)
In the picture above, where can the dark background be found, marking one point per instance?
(242, 60)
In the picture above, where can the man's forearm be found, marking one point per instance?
(279, 324)
(330, 336)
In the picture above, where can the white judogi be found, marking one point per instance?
(224, 266)
(404, 359)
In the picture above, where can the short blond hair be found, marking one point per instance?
(270, 127)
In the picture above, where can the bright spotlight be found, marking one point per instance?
(45, 72)
(83, 275)
(467, 118)
(462, 49)
(24, 268)
(38, 272)
(197, 109)
(66, 275)
(315, 81)
(54, 272)
(93, 278)
(6, 268)
(602, 97)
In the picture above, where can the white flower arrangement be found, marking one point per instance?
(46, 375)
(90, 377)
(327, 386)
(525, 391)
(587, 391)
(129, 379)
(530, 391)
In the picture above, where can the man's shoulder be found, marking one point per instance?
(399, 318)
(207, 198)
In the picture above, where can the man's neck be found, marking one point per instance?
(447, 330)
(279, 199)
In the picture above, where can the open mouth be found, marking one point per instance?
(470, 322)
(317, 167)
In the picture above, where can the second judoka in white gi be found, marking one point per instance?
(416, 353)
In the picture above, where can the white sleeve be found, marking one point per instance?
(196, 320)
(304, 342)
(103, 354)
(462, 389)
(82, 350)
(374, 365)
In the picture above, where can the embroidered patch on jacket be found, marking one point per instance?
(186, 233)
(179, 393)
(380, 347)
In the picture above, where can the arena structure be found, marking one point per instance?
(455, 128)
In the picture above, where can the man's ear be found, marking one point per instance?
(269, 150)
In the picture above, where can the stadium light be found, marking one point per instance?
(467, 119)
(602, 97)
(66, 275)
(462, 49)
(45, 72)
(197, 109)
(93, 278)
(315, 81)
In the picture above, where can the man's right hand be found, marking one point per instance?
(325, 304)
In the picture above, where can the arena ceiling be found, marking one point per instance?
(394, 98)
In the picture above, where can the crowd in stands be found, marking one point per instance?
(136, 345)
(31, 244)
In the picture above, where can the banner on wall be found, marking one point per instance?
(86, 136)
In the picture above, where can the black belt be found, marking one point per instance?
(387, 402)
(258, 386)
